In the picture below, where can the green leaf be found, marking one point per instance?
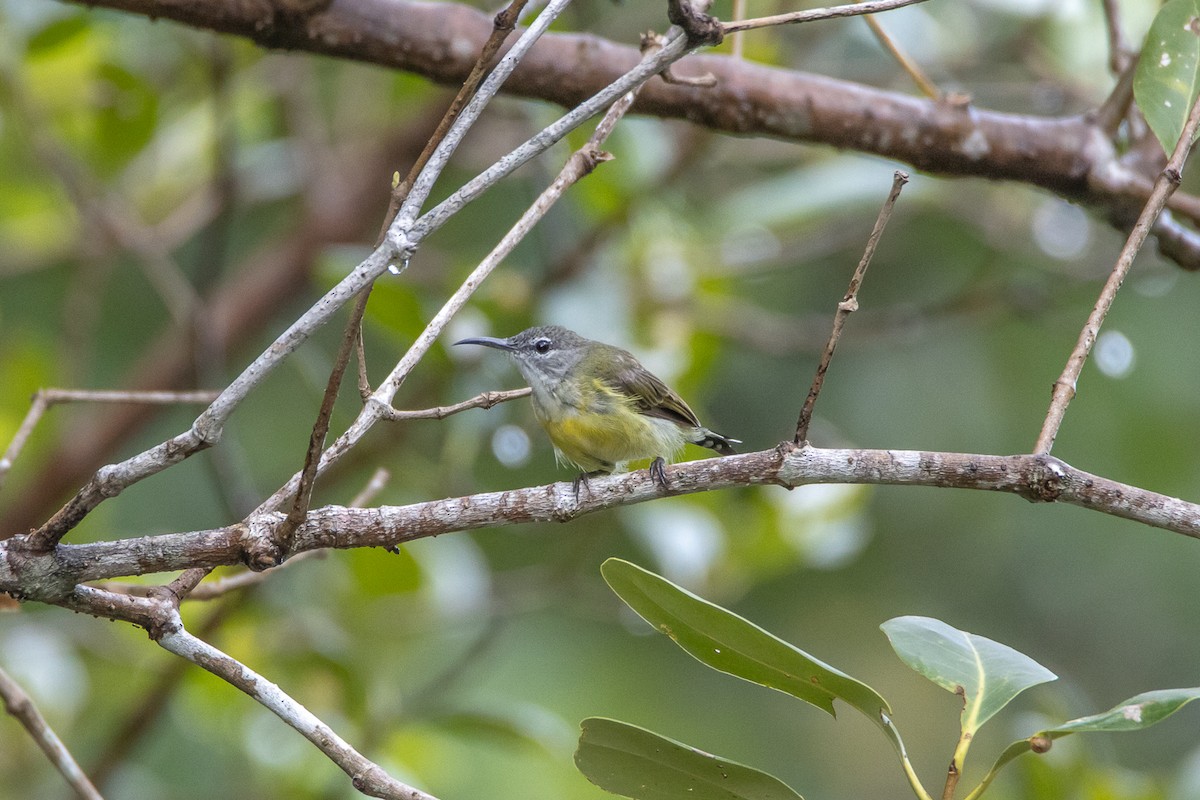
(726, 642)
(1134, 714)
(1168, 71)
(634, 762)
(986, 674)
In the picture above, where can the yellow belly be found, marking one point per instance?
(602, 441)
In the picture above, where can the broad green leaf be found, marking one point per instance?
(1134, 714)
(634, 762)
(986, 674)
(1168, 71)
(731, 644)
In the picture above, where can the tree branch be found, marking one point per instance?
(18, 704)
(1070, 155)
(1168, 181)
(53, 576)
(847, 306)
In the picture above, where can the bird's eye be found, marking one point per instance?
(542, 345)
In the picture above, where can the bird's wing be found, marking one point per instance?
(650, 395)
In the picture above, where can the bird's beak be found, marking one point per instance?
(488, 341)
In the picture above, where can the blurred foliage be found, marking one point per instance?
(465, 663)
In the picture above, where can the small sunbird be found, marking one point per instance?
(600, 406)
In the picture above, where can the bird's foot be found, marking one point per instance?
(582, 480)
(658, 473)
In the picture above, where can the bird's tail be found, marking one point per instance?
(715, 441)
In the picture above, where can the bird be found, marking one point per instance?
(600, 407)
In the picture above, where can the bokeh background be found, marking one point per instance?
(465, 663)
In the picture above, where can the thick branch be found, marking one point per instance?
(51, 576)
(440, 40)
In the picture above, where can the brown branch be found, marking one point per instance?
(1118, 50)
(19, 705)
(54, 576)
(848, 305)
(1064, 387)
(565, 68)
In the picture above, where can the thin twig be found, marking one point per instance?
(848, 305)
(580, 164)
(738, 13)
(368, 777)
(402, 240)
(485, 400)
(137, 722)
(139, 719)
(503, 25)
(1064, 387)
(352, 340)
(912, 68)
(316, 440)
(813, 14)
(433, 219)
(43, 399)
(403, 231)
(20, 705)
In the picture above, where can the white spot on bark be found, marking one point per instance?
(976, 145)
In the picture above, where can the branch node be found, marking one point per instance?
(260, 550)
(1047, 480)
(702, 30)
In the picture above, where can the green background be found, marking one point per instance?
(464, 664)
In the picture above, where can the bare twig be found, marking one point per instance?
(403, 232)
(368, 777)
(402, 239)
(316, 440)
(910, 67)
(352, 340)
(139, 719)
(738, 13)
(1064, 387)
(813, 14)
(580, 164)
(18, 704)
(484, 400)
(671, 52)
(43, 399)
(848, 305)
(502, 25)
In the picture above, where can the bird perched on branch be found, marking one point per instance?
(600, 406)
